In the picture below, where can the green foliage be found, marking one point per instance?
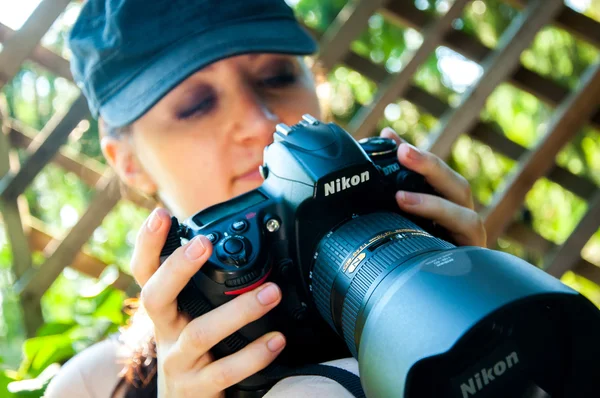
(79, 311)
(93, 314)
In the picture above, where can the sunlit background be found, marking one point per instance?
(83, 309)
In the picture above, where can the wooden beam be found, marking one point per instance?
(395, 85)
(487, 134)
(580, 25)
(51, 61)
(404, 13)
(14, 227)
(526, 237)
(347, 26)
(566, 256)
(497, 67)
(587, 270)
(574, 22)
(87, 169)
(54, 135)
(18, 47)
(482, 131)
(4, 141)
(63, 251)
(565, 123)
(83, 262)
(12, 209)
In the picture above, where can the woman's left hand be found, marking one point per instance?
(455, 211)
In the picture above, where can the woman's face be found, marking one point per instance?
(203, 142)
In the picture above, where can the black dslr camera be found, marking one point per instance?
(423, 317)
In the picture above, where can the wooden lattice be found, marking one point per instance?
(573, 110)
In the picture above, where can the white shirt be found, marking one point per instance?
(94, 373)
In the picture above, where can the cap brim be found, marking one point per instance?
(174, 64)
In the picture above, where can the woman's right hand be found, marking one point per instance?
(185, 365)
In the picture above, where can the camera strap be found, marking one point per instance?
(348, 380)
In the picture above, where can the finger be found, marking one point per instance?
(388, 132)
(201, 334)
(159, 295)
(439, 175)
(232, 369)
(150, 239)
(171, 362)
(465, 225)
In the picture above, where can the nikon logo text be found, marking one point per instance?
(485, 376)
(343, 183)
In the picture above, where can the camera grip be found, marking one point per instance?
(193, 303)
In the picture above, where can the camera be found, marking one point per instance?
(423, 317)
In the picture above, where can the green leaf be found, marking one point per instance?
(111, 307)
(31, 388)
(54, 328)
(40, 352)
(5, 380)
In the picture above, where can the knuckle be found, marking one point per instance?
(149, 300)
(466, 186)
(179, 267)
(224, 376)
(169, 363)
(434, 162)
(478, 228)
(245, 306)
(139, 237)
(135, 267)
(250, 306)
(482, 232)
(467, 189)
(186, 388)
(142, 239)
(196, 335)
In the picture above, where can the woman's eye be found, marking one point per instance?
(280, 80)
(203, 106)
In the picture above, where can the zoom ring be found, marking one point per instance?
(385, 258)
(335, 249)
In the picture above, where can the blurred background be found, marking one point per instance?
(41, 328)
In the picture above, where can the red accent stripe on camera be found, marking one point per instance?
(249, 287)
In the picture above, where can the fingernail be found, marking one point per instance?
(155, 221)
(195, 249)
(409, 198)
(413, 153)
(276, 343)
(268, 295)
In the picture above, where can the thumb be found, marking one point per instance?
(388, 132)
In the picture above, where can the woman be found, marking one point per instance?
(188, 94)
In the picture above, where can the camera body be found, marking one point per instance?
(316, 176)
(361, 278)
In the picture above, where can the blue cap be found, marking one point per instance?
(128, 54)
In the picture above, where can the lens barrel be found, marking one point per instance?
(353, 258)
(427, 319)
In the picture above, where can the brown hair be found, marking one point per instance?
(138, 347)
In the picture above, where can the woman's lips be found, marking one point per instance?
(252, 175)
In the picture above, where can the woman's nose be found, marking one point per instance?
(255, 119)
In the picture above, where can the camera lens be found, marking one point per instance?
(351, 259)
